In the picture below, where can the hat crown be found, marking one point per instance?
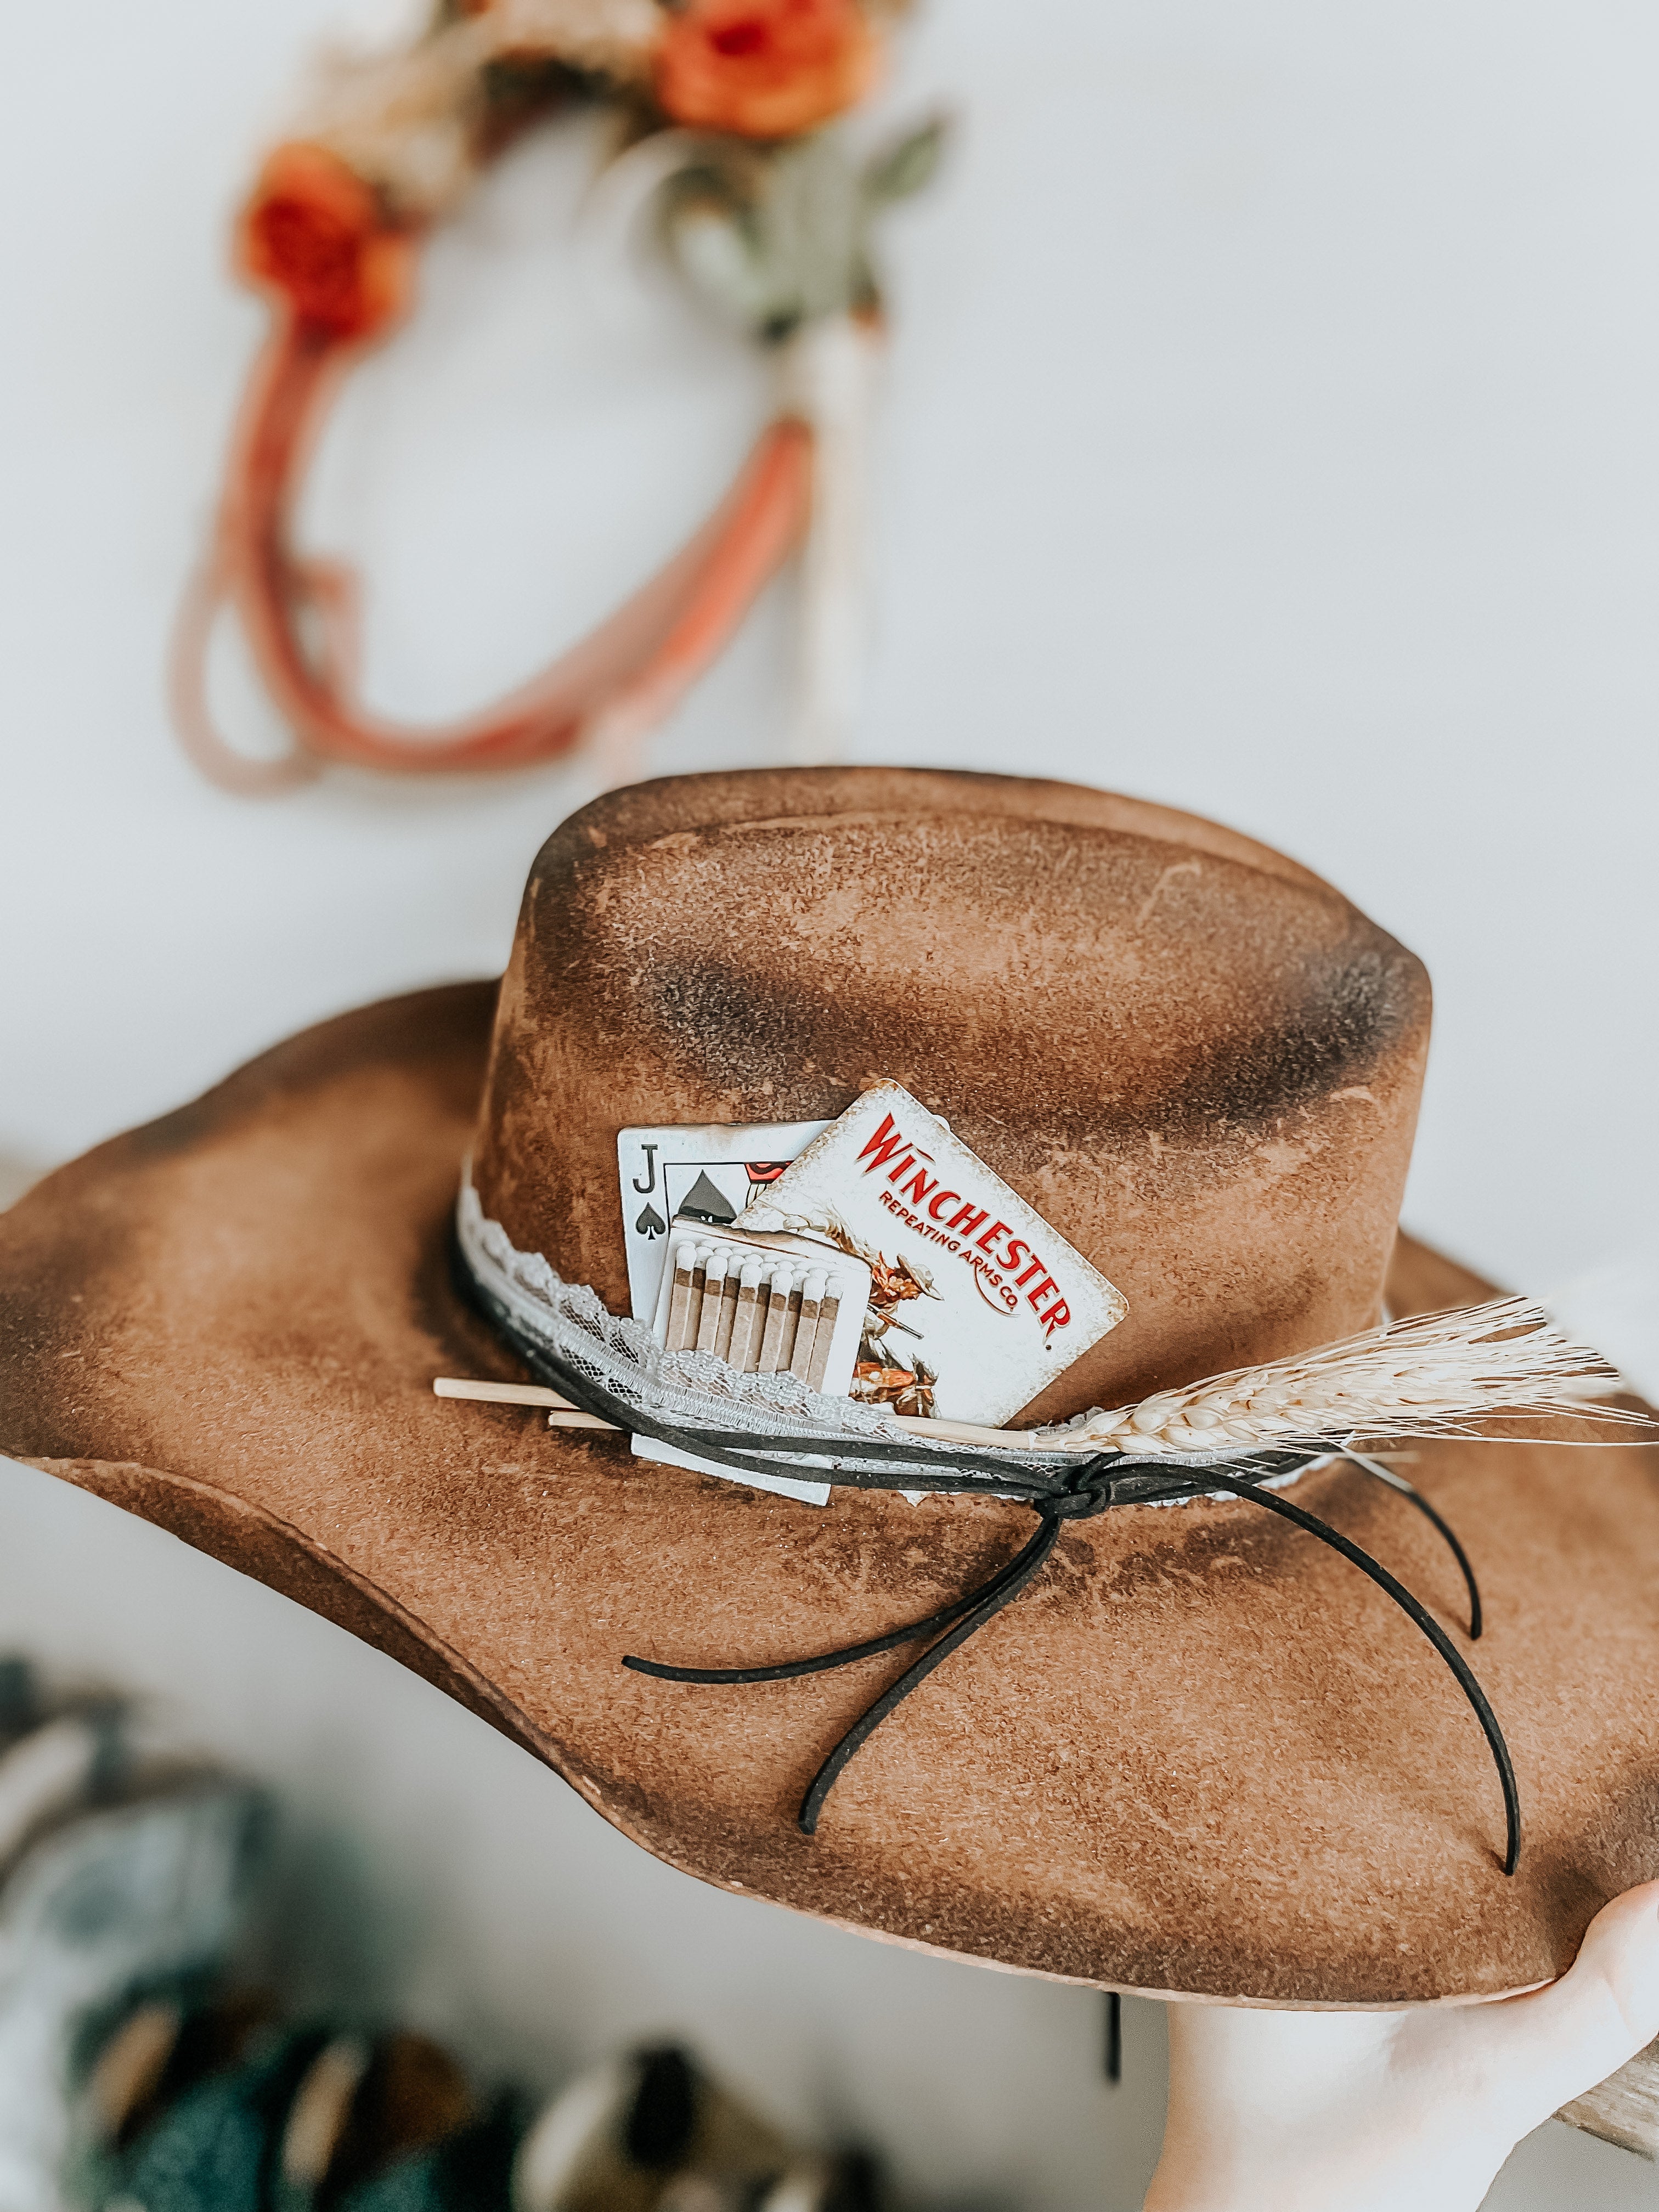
(1197, 1061)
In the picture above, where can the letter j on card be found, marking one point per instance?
(702, 1173)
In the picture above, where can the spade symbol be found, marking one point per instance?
(651, 1224)
(706, 1201)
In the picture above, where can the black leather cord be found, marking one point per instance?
(1113, 2053)
(1397, 1482)
(1424, 1620)
(1057, 1487)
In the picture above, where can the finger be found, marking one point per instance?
(1549, 2047)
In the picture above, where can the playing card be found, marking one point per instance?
(709, 1173)
(976, 1302)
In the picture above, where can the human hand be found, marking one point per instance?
(1397, 2111)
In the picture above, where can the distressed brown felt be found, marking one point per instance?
(1202, 1754)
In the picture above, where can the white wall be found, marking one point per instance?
(1270, 428)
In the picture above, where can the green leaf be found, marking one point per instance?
(907, 167)
(718, 260)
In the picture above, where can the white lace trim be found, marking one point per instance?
(693, 1388)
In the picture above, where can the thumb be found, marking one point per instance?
(1551, 2046)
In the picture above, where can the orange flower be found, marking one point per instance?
(764, 69)
(314, 232)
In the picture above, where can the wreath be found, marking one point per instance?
(724, 106)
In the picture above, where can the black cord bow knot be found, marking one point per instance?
(1087, 1492)
(1056, 1489)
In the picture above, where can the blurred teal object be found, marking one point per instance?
(215, 2149)
(116, 1870)
(472, 2172)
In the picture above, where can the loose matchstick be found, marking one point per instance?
(497, 1393)
(562, 1414)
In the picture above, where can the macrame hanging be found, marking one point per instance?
(766, 213)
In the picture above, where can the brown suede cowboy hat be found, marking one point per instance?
(1201, 1755)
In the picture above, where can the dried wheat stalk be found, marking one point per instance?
(1444, 1374)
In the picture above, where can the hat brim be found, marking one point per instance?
(1202, 1756)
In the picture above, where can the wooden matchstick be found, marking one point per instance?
(563, 1414)
(679, 1309)
(699, 1296)
(823, 1338)
(790, 1330)
(807, 1325)
(714, 1296)
(777, 1313)
(744, 1349)
(497, 1393)
(729, 1313)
